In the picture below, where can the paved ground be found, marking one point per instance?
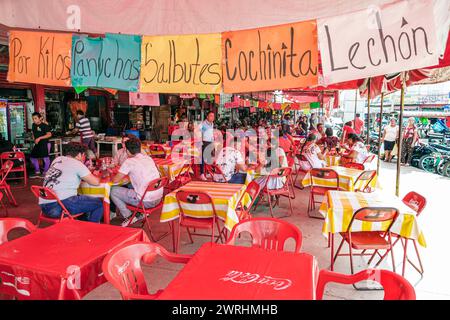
(435, 222)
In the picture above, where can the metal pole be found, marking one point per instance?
(379, 133)
(368, 113)
(356, 107)
(400, 127)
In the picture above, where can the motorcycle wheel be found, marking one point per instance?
(440, 167)
(446, 170)
(427, 163)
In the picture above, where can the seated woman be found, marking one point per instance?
(357, 151)
(329, 141)
(286, 142)
(312, 152)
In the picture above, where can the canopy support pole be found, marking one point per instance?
(356, 106)
(399, 144)
(379, 133)
(368, 113)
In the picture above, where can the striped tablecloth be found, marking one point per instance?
(166, 148)
(332, 161)
(169, 168)
(347, 178)
(225, 197)
(103, 190)
(338, 208)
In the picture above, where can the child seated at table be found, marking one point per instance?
(64, 177)
(141, 170)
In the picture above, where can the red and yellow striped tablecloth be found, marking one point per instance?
(347, 178)
(225, 197)
(338, 208)
(169, 168)
(332, 161)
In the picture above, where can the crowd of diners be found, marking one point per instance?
(274, 146)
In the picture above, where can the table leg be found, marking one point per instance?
(174, 233)
(98, 149)
(106, 212)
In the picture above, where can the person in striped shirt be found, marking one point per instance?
(83, 126)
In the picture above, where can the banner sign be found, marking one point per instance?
(110, 62)
(374, 42)
(270, 58)
(39, 57)
(181, 63)
(144, 99)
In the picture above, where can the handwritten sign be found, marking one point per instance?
(374, 42)
(39, 57)
(184, 63)
(270, 58)
(110, 62)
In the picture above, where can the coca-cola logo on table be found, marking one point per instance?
(247, 277)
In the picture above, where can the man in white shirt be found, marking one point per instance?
(64, 177)
(207, 131)
(141, 170)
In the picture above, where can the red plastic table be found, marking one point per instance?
(63, 261)
(225, 272)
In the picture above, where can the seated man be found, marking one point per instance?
(141, 169)
(231, 161)
(64, 177)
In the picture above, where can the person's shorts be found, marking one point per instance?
(389, 145)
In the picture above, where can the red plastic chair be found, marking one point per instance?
(20, 157)
(6, 168)
(365, 178)
(8, 224)
(153, 185)
(267, 233)
(3, 205)
(122, 268)
(354, 165)
(286, 189)
(157, 151)
(316, 190)
(48, 194)
(185, 198)
(395, 286)
(211, 170)
(368, 240)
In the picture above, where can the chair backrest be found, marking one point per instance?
(5, 170)
(48, 194)
(252, 192)
(213, 169)
(122, 267)
(157, 151)
(267, 233)
(324, 173)
(395, 286)
(369, 159)
(153, 185)
(8, 224)
(187, 198)
(354, 165)
(415, 201)
(14, 155)
(375, 214)
(367, 177)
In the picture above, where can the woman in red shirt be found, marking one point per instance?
(346, 130)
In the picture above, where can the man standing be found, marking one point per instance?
(141, 170)
(41, 134)
(358, 124)
(207, 132)
(83, 126)
(64, 177)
